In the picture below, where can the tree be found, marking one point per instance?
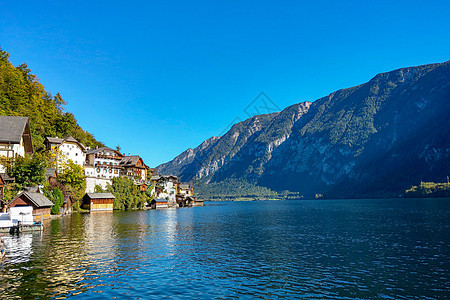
(98, 189)
(28, 170)
(58, 199)
(72, 174)
(74, 180)
(127, 194)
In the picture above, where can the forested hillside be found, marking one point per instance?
(21, 94)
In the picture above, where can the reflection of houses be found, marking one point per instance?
(165, 187)
(102, 165)
(15, 137)
(41, 205)
(65, 149)
(98, 201)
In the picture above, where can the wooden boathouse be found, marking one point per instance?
(159, 203)
(41, 205)
(98, 201)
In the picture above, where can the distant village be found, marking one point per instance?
(101, 166)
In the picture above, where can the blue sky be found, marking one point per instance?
(158, 77)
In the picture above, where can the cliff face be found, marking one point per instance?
(373, 139)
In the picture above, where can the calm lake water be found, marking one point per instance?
(343, 249)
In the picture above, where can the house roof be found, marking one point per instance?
(12, 128)
(131, 161)
(37, 198)
(166, 177)
(50, 172)
(185, 186)
(6, 177)
(93, 151)
(56, 140)
(100, 195)
(161, 200)
(155, 177)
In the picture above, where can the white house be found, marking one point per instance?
(15, 137)
(65, 149)
(102, 165)
(165, 188)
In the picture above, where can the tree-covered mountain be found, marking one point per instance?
(375, 139)
(21, 94)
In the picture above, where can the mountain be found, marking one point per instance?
(374, 139)
(21, 94)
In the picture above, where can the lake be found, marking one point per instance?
(328, 249)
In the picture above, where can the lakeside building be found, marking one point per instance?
(159, 203)
(65, 149)
(133, 166)
(41, 204)
(185, 190)
(166, 187)
(98, 201)
(15, 137)
(102, 165)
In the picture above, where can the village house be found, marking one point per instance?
(98, 202)
(133, 167)
(102, 165)
(66, 207)
(185, 190)
(185, 194)
(166, 187)
(65, 149)
(15, 137)
(51, 175)
(41, 204)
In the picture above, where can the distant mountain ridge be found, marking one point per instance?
(374, 139)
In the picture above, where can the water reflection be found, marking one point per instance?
(19, 249)
(310, 249)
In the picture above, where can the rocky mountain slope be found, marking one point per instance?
(375, 139)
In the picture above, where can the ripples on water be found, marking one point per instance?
(392, 249)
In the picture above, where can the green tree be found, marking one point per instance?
(127, 194)
(58, 199)
(29, 170)
(73, 178)
(98, 189)
(72, 174)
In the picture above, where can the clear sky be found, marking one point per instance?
(158, 77)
